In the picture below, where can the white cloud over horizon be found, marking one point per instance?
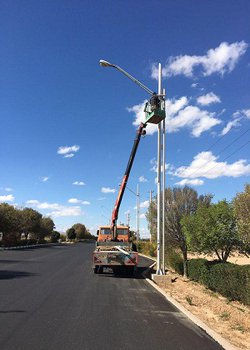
(220, 60)
(58, 210)
(206, 165)
(7, 198)
(194, 182)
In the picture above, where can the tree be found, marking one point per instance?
(55, 235)
(179, 202)
(46, 227)
(31, 222)
(242, 211)
(212, 229)
(10, 226)
(80, 230)
(71, 233)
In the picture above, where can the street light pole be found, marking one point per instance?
(163, 187)
(159, 146)
(138, 213)
(104, 63)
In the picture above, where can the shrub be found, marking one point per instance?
(230, 280)
(174, 260)
(147, 248)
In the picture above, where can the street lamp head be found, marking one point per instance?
(104, 63)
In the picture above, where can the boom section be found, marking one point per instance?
(140, 132)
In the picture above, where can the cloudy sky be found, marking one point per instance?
(68, 125)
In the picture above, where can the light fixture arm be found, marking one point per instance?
(107, 64)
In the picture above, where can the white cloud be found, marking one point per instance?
(144, 204)
(142, 216)
(246, 113)
(173, 106)
(78, 183)
(193, 118)
(8, 189)
(58, 210)
(230, 125)
(208, 99)
(68, 151)
(169, 168)
(142, 179)
(67, 211)
(78, 201)
(205, 164)
(101, 198)
(179, 115)
(221, 60)
(32, 202)
(107, 190)
(7, 198)
(69, 155)
(44, 178)
(194, 182)
(243, 113)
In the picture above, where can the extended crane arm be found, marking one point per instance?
(140, 131)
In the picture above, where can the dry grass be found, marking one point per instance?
(230, 319)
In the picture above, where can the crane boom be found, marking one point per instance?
(140, 131)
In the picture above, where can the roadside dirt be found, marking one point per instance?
(230, 319)
(234, 258)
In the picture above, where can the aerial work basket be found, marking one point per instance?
(153, 115)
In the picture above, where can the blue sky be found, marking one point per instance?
(68, 125)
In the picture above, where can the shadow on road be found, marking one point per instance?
(11, 311)
(142, 272)
(7, 275)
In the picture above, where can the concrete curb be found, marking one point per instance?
(217, 337)
(28, 246)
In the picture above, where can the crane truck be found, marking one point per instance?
(114, 248)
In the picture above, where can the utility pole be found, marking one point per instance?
(150, 201)
(128, 218)
(163, 186)
(159, 211)
(137, 213)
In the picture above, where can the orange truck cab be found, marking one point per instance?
(104, 234)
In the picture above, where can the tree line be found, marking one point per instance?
(26, 224)
(194, 223)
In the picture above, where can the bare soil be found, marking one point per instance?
(230, 319)
(235, 257)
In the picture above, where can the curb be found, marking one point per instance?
(217, 337)
(28, 246)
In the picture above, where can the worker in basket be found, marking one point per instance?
(154, 102)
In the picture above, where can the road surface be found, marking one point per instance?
(50, 299)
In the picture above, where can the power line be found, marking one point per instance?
(238, 149)
(230, 144)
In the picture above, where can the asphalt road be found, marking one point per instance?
(50, 299)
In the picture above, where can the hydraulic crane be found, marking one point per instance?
(140, 132)
(114, 248)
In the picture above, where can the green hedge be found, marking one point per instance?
(230, 280)
(174, 260)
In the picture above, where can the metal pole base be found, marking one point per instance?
(159, 272)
